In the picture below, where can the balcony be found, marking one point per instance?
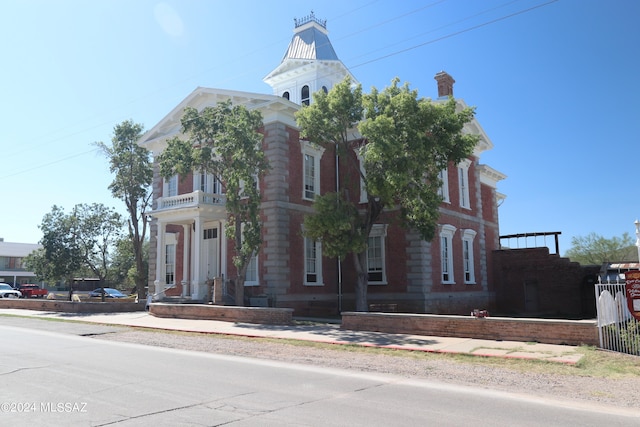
(207, 202)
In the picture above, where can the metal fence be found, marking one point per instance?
(618, 330)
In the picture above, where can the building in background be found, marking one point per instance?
(12, 270)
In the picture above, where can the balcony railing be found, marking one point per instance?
(197, 198)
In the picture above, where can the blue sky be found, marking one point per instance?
(556, 86)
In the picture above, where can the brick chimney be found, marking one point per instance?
(445, 84)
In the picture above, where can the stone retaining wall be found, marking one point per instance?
(259, 315)
(569, 332)
(115, 306)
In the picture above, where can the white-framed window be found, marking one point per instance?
(312, 262)
(251, 276)
(463, 183)
(467, 256)
(376, 265)
(310, 169)
(443, 191)
(170, 187)
(311, 155)
(207, 183)
(446, 253)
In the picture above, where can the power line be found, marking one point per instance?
(395, 53)
(149, 94)
(438, 28)
(466, 30)
(95, 150)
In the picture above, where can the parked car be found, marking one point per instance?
(108, 293)
(31, 290)
(6, 291)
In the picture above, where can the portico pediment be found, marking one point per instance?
(270, 106)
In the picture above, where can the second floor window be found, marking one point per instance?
(10, 263)
(446, 253)
(444, 185)
(309, 176)
(171, 186)
(463, 183)
(311, 155)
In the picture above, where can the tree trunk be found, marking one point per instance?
(362, 284)
(70, 281)
(138, 242)
(240, 291)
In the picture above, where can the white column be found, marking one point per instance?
(222, 239)
(160, 260)
(196, 277)
(186, 228)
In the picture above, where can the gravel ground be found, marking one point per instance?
(623, 392)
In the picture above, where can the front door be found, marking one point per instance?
(210, 257)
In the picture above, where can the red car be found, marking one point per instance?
(32, 291)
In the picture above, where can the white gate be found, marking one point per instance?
(617, 329)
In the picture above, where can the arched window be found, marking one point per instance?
(304, 98)
(324, 88)
(286, 95)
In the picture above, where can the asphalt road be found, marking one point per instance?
(66, 378)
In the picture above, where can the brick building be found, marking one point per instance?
(451, 274)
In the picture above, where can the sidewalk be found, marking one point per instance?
(328, 333)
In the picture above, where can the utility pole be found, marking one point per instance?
(637, 224)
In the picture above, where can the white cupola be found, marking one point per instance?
(310, 63)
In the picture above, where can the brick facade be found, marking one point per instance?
(412, 276)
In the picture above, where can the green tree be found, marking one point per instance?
(60, 255)
(594, 249)
(123, 265)
(406, 141)
(96, 230)
(74, 243)
(133, 171)
(224, 140)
